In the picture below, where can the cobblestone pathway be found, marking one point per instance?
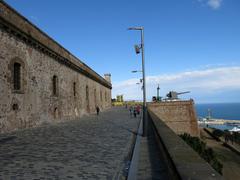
(89, 148)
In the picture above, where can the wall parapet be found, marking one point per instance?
(17, 25)
(188, 164)
(180, 116)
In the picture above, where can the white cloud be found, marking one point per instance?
(199, 82)
(215, 4)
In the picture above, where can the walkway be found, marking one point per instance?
(151, 161)
(89, 148)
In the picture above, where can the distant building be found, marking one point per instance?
(119, 98)
(40, 81)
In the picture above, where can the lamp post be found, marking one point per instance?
(136, 71)
(158, 97)
(137, 48)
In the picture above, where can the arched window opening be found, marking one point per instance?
(105, 96)
(17, 76)
(55, 83)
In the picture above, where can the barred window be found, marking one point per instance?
(17, 76)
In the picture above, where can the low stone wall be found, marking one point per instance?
(187, 163)
(180, 116)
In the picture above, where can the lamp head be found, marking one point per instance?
(135, 28)
(137, 49)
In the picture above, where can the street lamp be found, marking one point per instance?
(137, 49)
(158, 97)
(135, 71)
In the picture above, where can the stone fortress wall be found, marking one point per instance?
(180, 116)
(40, 81)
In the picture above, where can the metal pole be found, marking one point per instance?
(145, 124)
(158, 88)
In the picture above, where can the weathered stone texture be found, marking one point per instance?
(35, 103)
(180, 116)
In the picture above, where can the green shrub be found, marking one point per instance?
(205, 152)
(218, 133)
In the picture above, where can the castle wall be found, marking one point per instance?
(180, 116)
(78, 88)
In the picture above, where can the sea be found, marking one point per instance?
(228, 111)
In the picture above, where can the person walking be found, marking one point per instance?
(138, 109)
(98, 110)
(131, 111)
(135, 112)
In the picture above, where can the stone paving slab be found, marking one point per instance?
(93, 147)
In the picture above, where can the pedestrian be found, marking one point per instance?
(138, 109)
(98, 110)
(135, 112)
(131, 110)
(226, 137)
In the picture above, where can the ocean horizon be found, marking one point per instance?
(229, 111)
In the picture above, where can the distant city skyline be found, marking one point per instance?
(191, 45)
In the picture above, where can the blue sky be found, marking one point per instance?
(189, 44)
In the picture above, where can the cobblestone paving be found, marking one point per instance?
(89, 148)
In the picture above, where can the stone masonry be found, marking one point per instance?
(180, 116)
(40, 81)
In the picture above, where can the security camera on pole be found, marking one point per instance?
(137, 50)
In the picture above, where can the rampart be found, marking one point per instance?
(180, 116)
(40, 81)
